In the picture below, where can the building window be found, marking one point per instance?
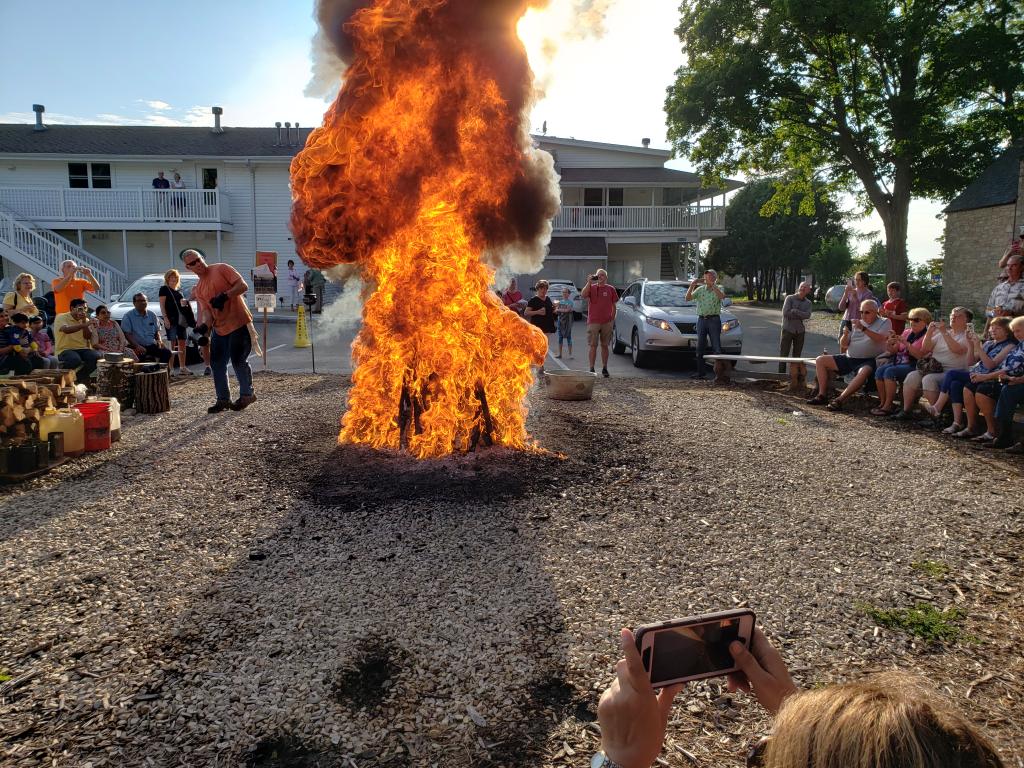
(100, 175)
(78, 175)
(672, 196)
(89, 176)
(593, 196)
(615, 196)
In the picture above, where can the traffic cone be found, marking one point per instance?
(301, 331)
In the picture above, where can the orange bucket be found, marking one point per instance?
(97, 425)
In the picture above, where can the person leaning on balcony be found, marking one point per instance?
(796, 310)
(74, 340)
(20, 299)
(69, 286)
(222, 310)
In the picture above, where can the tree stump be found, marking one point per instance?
(151, 392)
(116, 380)
(798, 378)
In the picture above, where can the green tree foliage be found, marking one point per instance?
(832, 262)
(873, 261)
(771, 248)
(887, 99)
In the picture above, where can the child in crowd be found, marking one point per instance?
(564, 313)
(43, 342)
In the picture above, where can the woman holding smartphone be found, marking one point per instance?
(857, 291)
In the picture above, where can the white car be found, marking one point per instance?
(121, 304)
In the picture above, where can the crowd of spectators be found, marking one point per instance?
(948, 364)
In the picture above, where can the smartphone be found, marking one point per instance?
(693, 648)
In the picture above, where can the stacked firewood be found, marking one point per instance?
(24, 399)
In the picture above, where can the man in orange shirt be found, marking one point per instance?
(220, 294)
(68, 286)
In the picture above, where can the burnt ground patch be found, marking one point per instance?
(289, 752)
(352, 474)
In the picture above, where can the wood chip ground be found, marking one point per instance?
(239, 590)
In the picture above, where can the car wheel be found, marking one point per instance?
(618, 347)
(640, 357)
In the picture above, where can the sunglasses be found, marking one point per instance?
(192, 263)
(755, 757)
(917, 320)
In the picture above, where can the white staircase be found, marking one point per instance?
(40, 252)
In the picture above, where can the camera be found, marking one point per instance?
(202, 334)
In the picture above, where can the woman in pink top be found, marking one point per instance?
(857, 291)
(512, 298)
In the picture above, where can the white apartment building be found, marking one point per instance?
(85, 192)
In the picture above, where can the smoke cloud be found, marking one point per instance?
(358, 181)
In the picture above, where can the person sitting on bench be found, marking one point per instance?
(142, 330)
(860, 350)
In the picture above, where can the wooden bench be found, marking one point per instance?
(724, 364)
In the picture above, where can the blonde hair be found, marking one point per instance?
(892, 720)
(921, 313)
(24, 276)
(1016, 322)
(172, 273)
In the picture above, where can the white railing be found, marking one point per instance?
(42, 251)
(639, 218)
(118, 205)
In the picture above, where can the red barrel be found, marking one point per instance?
(97, 425)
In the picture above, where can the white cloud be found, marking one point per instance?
(156, 104)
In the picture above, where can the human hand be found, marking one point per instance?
(218, 301)
(762, 671)
(632, 717)
(976, 377)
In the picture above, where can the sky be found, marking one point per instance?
(163, 63)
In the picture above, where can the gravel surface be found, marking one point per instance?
(239, 590)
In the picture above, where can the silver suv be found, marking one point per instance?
(654, 316)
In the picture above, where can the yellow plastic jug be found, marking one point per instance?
(70, 422)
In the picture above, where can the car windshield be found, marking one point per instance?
(151, 287)
(665, 295)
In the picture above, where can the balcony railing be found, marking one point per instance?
(199, 206)
(639, 218)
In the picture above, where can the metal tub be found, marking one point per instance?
(569, 385)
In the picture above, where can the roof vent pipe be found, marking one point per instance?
(39, 109)
(278, 126)
(217, 112)
(296, 134)
(288, 132)
(646, 143)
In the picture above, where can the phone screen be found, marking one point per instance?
(695, 650)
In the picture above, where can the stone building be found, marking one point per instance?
(981, 222)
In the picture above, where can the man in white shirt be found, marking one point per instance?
(1007, 298)
(860, 350)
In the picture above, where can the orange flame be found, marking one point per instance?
(423, 165)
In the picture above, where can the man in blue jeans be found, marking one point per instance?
(220, 294)
(708, 298)
(1011, 396)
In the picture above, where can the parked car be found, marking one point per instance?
(150, 285)
(654, 316)
(555, 286)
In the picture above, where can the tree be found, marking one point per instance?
(887, 99)
(832, 262)
(772, 248)
(874, 260)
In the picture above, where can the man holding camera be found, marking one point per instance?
(75, 339)
(223, 314)
(601, 299)
(69, 286)
(708, 298)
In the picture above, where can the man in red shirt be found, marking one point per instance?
(220, 294)
(69, 286)
(601, 299)
(895, 309)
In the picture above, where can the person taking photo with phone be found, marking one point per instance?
(73, 284)
(601, 299)
(892, 719)
(708, 298)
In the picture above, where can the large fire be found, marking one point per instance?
(424, 174)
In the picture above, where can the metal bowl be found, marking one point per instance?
(570, 385)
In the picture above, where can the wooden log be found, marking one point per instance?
(151, 392)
